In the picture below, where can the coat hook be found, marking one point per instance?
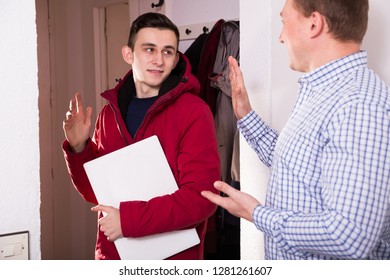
(159, 4)
(188, 31)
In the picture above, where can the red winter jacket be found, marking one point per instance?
(185, 127)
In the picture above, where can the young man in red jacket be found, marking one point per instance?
(157, 97)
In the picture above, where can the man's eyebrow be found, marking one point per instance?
(154, 45)
(148, 45)
(170, 47)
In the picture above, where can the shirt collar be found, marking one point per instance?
(331, 71)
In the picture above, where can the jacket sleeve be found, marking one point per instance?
(198, 167)
(75, 164)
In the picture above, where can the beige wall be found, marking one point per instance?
(68, 225)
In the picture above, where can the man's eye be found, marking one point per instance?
(168, 52)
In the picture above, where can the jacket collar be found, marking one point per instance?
(179, 81)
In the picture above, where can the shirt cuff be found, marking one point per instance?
(265, 219)
(251, 126)
(247, 118)
(272, 222)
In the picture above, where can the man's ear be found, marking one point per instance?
(318, 24)
(127, 54)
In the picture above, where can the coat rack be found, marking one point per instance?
(159, 4)
(192, 31)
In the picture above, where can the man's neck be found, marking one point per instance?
(143, 91)
(333, 51)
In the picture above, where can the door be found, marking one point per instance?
(73, 56)
(111, 25)
(117, 32)
(68, 227)
(66, 64)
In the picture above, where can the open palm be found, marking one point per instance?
(240, 100)
(77, 125)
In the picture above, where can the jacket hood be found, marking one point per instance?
(180, 81)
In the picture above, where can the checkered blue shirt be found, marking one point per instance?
(329, 191)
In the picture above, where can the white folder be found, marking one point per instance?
(139, 172)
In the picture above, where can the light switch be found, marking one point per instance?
(11, 250)
(18, 249)
(7, 251)
(14, 246)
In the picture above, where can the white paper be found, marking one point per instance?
(139, 172)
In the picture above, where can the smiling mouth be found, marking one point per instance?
(155, 71)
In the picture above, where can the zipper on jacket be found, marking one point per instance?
(147, 116)
(117, 123)
(158, 103)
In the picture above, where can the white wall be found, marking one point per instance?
(273, 86)
(377, 40)
(183, 12)
(19, 145)
(255, 51)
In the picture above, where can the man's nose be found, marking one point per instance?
(158, 58)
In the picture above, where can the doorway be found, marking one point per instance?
(66, 64)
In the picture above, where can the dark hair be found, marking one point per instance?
(347, 19)
(154, 20)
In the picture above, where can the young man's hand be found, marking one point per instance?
(110, 223)
(77, 124)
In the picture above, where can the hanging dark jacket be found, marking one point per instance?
(206, 64)
(225, 119)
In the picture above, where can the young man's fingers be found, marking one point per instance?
(101, 208)
(88, 117)
(79, 103)
(72, 105)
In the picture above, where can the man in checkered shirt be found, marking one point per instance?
(329, 191)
